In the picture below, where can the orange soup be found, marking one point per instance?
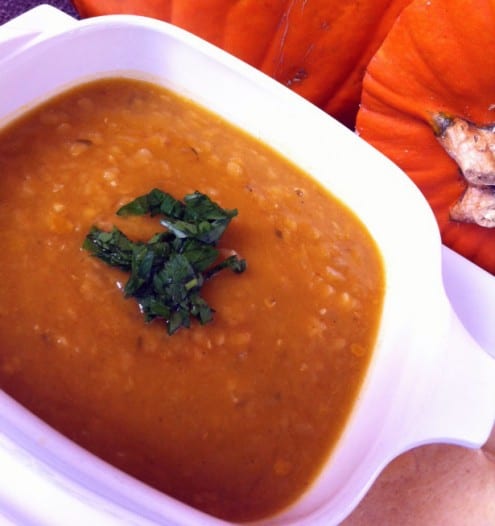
(235, 417)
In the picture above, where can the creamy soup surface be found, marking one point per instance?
(235, 417)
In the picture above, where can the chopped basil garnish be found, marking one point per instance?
(168, 272)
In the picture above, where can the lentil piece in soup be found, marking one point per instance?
(235, 417)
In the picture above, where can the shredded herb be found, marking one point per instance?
(168, 272)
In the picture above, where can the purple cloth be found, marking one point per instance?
(12, 8)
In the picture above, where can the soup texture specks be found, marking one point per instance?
(235, 417)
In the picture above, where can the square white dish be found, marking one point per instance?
(45, 52)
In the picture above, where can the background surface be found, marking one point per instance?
(11, 8)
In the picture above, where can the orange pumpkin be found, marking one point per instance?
(318, 48)
(438, 60)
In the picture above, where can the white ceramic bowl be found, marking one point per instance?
(427, 374)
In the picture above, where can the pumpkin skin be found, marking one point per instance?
(318, 48)
(438, 57)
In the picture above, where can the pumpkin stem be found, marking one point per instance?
(441, 121)
(472, 147)
(476, 205)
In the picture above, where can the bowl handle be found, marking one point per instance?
(460, 403)
(28, 27)
(471, 292)
(464, 397)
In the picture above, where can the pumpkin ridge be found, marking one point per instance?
(235, 42)
(284, 22)
(353, 77)
(426, 60)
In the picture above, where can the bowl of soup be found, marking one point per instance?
(334, 350)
